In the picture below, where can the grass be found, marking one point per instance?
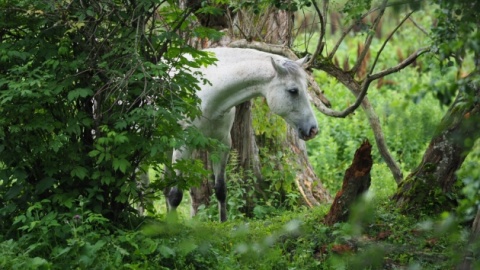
(376, 236)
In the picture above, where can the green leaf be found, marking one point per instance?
(13, 192)
(107, 180)
(93, 153)
(68, 202)
(80, 172)
(148, 246)
(120, 138)
(37, 262)
(187, 246)
(59, 252)
(166, 251)
(44, 184)
(120, 164)
(79, 92)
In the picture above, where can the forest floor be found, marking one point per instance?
(376, 236)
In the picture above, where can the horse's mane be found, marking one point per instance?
(294, 68)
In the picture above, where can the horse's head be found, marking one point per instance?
(287, 96)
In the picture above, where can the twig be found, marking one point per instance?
(418, 26)
(241, 31)
(369, 39)
(265, 47)
(388, 39)
(410, 59)
(320, 43)
(346, 31)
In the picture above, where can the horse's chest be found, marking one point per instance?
(216, 126)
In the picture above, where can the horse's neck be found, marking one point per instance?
(233, 81)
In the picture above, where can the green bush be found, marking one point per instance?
(82, 114)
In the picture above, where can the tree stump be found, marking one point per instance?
(355, 182)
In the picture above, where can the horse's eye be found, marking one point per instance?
(293, 90)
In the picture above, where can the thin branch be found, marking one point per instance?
(346, 31)
(410, 59)
(241, 31)
(320, 43)
(380, 140)
(388, 39)
(418, 26)
(318, 93)
(369, 39)
(323, 107)
(261, 46)
(165, 44)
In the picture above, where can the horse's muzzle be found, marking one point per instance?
(311, 134)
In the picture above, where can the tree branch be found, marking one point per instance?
(323, 23)
(164, 47)
(264, 47)
(419, 26)
(409, 60)
(360, 92)
(380, 140)
(388, 39)
(369, 39)
(345, 33)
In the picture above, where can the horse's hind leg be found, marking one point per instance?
(223, 127)
(174, 195)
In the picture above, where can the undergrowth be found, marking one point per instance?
(373, 238)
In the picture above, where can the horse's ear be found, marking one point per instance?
(278, 67)
(302, 60)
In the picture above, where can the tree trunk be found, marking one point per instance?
(355, 182)
(430, 187)
(473, 247)
(311, 188)
(247, 154)
(200, 195)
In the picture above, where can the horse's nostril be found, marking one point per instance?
(304, 135)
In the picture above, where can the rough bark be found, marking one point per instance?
(312, 190)
(355, 182)
(200, 195)
(246, 149)
(243, 140)
(430, 187)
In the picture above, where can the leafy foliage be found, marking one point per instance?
(90, 95)
(469, 176)
(456, 40)
(90, 90)
(374, 237)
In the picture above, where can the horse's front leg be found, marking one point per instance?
(221, 185)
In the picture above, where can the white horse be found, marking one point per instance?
(240, 75)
